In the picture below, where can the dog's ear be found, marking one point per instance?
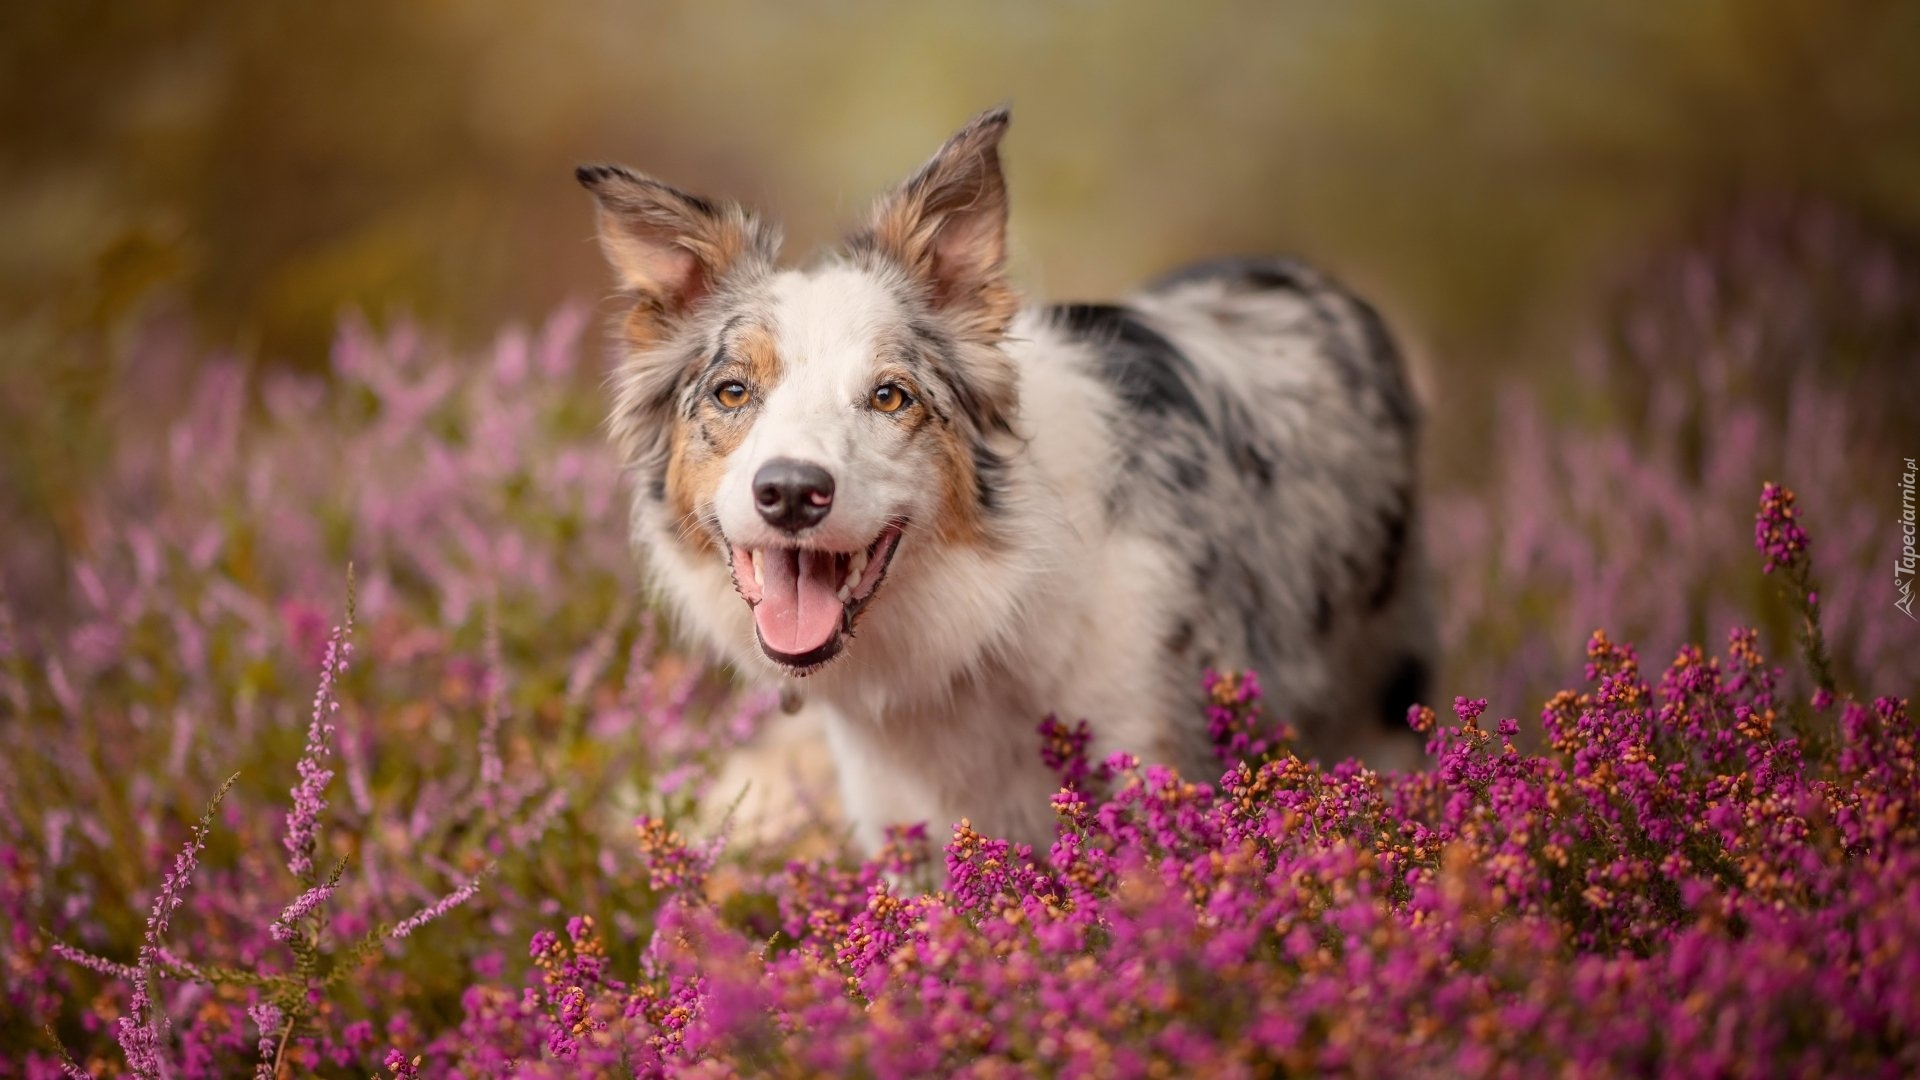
(947, 226)
(668, 248)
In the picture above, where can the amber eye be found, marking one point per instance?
(888, 398)
(731, 395)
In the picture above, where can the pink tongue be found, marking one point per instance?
(798, 610)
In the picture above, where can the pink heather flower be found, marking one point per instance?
(1469, 709)
(493, 691)
(441, 906)
(672, 864)
(674, 779)
(1637, 895)
(141, 1030)
(109, 968)
(1235, 724)
(593, 662)
(525, 833)
(268, 1018)
(1777, 534)
(1064, 750)
(285, 928)
(309, 796)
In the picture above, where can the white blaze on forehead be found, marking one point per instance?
(827, 327)
(832, 319)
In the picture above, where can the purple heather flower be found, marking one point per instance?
(310, 795)
(1634, 890)
(441, 906)
(145, 1024)
(401, 1066)
(1776, 533)
(267, 1017)
(111, 969)
(493, 696)
(285, 928)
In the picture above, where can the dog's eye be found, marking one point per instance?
(888, 398)
(731, 395)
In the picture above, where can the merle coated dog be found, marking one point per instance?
(952, 514)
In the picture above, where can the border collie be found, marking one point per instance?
(952, 514)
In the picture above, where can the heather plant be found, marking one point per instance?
(1678, 884)
(1774, 345)
(482, 845)
(435, 784)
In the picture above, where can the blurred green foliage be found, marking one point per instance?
(1478, 164)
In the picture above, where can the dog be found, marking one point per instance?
(952, 515)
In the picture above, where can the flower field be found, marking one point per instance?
(344, 745)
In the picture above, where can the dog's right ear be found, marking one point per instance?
(668, 248)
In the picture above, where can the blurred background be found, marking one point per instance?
(1509, 181)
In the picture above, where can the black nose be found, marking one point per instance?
(792, 495)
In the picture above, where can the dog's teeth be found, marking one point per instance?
(759, 570)
(845, 591)
(855, 567)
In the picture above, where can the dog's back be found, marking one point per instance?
(1270, 443)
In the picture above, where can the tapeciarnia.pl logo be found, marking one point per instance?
(1903, 569)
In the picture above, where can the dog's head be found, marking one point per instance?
(812, 427)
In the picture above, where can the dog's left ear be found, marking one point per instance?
(947, 226)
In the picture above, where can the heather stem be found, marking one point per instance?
(286, 1033)
(68, 1066)
(1784, 545)
(1813, 641)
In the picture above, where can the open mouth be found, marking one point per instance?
(804, 601)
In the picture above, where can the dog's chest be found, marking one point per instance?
(976, 756)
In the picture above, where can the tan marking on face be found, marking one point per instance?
(756, 350)
(703, 443)
(693, 475)
(961, 521)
